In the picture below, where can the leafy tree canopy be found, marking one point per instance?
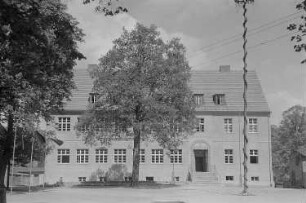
(142, 89)
(299, 30)
(287, 138)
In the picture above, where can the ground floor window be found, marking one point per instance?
(253, 156)
(157, 156)
(82, 179)
(255, 178)
(228, 156)
(229, 178)
(176, 156)
(101, 155)
(63, 156)
(82, 156)
(120, 155)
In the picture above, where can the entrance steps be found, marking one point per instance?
(204, 178)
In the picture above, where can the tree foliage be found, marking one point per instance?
(108, 7)
(299, 30)
(287, 138)
(142, 83)
(38, 49)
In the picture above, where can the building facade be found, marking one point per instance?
(213, 154)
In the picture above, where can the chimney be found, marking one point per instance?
(224, 68)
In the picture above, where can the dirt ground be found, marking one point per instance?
(179, 194)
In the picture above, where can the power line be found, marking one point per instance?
(250, 48)
(253, 31)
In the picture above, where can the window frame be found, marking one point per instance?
(120, 156)
(101, 155)
(60, 156)
(229, 156)
(176, 156)
(198, 99)
(253, 126)
(228, 126)
(157, 156)
(254, 156)
(201, 125)
(64, 123)
(82, 156)
(219, 99)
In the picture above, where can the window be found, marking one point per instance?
(82, 179)
(64, 123)
(82, 156)
(253, 156)
(228, 156)
(93, 98)
(84, 128)
(228, 125)
(229, 178)
(255, 178)
(200, 127)
(120, 156)
(149, 178)
(219, 99)
(142, 156)
(157, 156)
(176, 156)
(101, 155)
(198, 99)
(253, 125)
(63, 156)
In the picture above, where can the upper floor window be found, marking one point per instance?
(219, 99)
(200, 127)
(64, 123)
(198, 99)
(157, 156)
(228, 125)
(176, 156)
(63, 156)
(93, 98)
(253, 125)
(254, 156)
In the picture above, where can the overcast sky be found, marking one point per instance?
(210, 31)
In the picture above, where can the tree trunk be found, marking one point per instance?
(6, 151)
(136, 151)
(8, 175)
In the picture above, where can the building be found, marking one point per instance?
(212, 154)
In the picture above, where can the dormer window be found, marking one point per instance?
(219, 99)
(93, 98)
(198, 99)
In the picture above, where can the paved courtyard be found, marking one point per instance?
(185, 193)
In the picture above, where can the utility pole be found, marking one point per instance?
(245, 87)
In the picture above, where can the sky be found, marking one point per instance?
(211, 32)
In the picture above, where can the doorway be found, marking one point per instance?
(201, 160)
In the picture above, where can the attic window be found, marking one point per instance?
(219, 99)
(93, 97)
(198, 99)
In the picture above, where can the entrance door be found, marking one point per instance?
(201, 160)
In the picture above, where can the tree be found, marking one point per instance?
(107, 7)
(142, 86)
(287, 138)
(299, 30)
(38, 49)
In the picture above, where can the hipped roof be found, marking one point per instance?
(207, 83)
